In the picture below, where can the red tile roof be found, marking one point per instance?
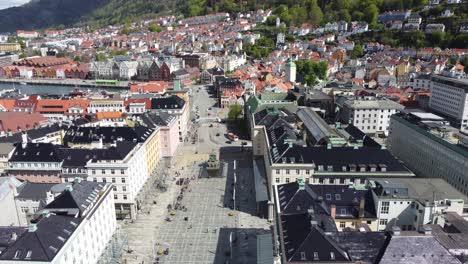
(15, 121)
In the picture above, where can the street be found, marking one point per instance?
(212, 223)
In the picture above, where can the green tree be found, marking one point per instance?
(437, 39)
(101, 57)
(316, 15)
(155, 28)
(371, 13)
(311, 71)
(234, 112)
(77, 59)
(357, 52)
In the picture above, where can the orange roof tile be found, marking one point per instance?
(8, 104)
(108, 115)
(151, 87)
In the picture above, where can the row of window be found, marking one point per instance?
(35, 165)
(288, 172)
(103, 171)
(124, 188)
(113, 180)
(325, 180)
(124, 197)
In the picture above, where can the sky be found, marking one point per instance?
(9, 3)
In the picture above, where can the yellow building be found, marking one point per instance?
(402, 68)
(153, 152)
(10, 47)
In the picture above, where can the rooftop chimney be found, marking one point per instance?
(14, 236)
(32, 228)
(362, 204)
(101, 144)
(45, 213)
(77, 180)
(24, 139)
(69, 188)
(333, 211)
(426, 230)
(301, 184)
(396, 230)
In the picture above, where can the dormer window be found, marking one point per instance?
(17, 254)
(28, 254)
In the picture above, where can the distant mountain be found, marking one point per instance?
(47, 13)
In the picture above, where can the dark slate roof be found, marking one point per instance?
(32, 133)
(34, 191)
(44, 243)
(361, 246)
(118, 152)
(308, 232)
(215, 71)
(302, 241)
(6, 235)
(78, 199)
(170, 102)
(180, 72)
(357, 134)
(159, 119)
(269, 116)
(36, 152)
(294, 200)
(87, 135)
(75, 157)
(337, 157)
(80, 121)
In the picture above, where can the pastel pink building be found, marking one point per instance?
(168, 131)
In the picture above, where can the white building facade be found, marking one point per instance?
(449, 97)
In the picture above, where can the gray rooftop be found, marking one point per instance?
(372, 104)
(424, 188)
(316, 126)
(34, 191)
(422, 249)
(264, 249)
(261, 193)
(6, 148)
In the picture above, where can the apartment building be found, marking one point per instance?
(77, 225)
(449, 97)
(430, 147)
(169, 132)
(31, 198)
(411, 203)
(97, 106)
(369, 114)
(317, 224)
(8, 191)
(10, 47)
(173, 105)
(288, 154)
(36, 162)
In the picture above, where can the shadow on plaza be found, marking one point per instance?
(245, 186)
(238, 245)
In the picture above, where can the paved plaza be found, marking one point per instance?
(208, 227)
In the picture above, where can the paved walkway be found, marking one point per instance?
(141, 233)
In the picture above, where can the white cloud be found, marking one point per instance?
(9, 3)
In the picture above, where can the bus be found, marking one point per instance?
(107, 82)
(233, 136)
